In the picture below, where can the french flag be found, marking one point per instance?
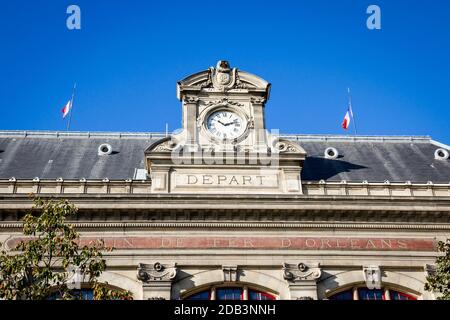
(348, 116)
(66, 109)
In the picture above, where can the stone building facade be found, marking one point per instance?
(225, 209)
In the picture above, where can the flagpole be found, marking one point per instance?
(351, 111)
(71, 105)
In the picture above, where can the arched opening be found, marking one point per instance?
(232, 292)
(395, 286)
(361, 292)
(257, 280)
(86, 292)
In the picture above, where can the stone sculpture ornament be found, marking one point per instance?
(223, 77)
(166, 146)
(285, 146)
(298, 272)
(222, 101)
(156, 272)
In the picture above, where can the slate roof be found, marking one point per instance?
(50, 155)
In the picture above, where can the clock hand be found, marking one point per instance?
(234, 121)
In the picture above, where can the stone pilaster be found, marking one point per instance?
(190, 119)
(258, 124)
(156, 280)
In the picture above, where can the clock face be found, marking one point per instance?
(225, 125)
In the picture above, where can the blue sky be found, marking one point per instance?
(128, 56)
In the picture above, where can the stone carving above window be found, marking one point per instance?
(156, 272)
(301, 272)
(372, 276)
(230, 273)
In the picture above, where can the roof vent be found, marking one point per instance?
(104, 149)
(331, 153)
(441, 154)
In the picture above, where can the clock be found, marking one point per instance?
(225, 125)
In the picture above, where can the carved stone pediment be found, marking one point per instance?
(301, 272)
(287, 146)
(222, 78)
(156, 272)
(164, 145)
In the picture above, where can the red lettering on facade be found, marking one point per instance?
(263, 243)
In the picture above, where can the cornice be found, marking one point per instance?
(241, 225)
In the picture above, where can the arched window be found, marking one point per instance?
(202, 295)
(78, 294)
(86, 292)
(362, 293)
(230, 293)
(344, 295)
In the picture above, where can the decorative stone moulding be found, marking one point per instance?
(156, 272)
(301, 272)
(286, 146)
(190, 99)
